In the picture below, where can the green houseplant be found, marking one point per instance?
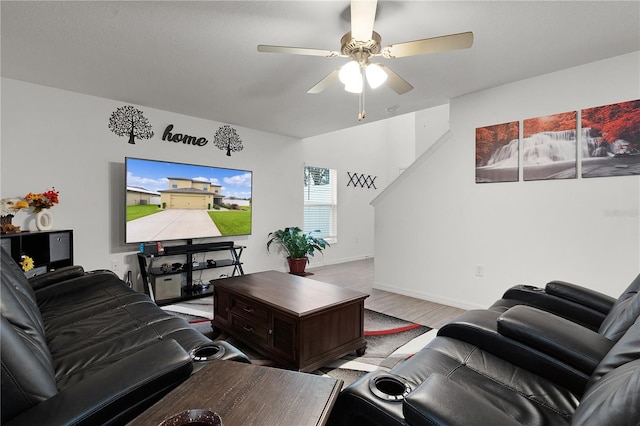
(297, 245)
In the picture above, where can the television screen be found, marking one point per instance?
(175, 201)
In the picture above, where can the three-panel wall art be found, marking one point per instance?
(605, 140)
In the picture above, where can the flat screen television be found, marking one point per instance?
(176, 201)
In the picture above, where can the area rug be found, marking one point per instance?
(197, 310)
(390, 340)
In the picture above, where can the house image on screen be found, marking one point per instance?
(192, 194)
(137, 195)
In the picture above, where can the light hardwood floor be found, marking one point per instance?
(359, 275)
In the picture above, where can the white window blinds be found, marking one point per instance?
(320, 201)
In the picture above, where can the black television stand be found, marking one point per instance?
(172, 281)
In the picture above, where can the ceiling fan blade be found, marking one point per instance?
(395, 82)
(429, 45)
(331, 78)
(363, 13)
(297, 51)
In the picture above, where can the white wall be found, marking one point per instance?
(52, 137)
(521, 232)
(378, 149)
(431, 124)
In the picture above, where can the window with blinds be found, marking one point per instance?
(321, 201)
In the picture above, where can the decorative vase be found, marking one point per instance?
(44, 220)
(297, 265)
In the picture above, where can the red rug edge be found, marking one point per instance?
(392, 330)
(197, 321)
(366, 333)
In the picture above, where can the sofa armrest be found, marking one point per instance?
(480, 328)
(440, 401)
(560, 338)
(581, 295)
(556, 302)
(61, 274)
(116, 393)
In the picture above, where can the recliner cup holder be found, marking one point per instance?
(207, 353)
(389, 387)
(531, 287)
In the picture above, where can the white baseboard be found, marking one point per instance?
(462, 304)
(315, 262)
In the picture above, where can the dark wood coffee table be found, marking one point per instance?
(297, 322)
(245, 394)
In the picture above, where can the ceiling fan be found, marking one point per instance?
(361, 44)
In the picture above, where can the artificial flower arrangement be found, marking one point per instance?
(40, 201)
(44, 200)
(26, 262)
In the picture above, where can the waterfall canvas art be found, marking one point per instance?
(611, 140)
(497, 153)
(549, 147)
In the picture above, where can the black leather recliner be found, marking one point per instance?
(524, 366)
(523, 333)
(84, 349)
(573, 302)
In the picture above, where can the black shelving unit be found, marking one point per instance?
(164, 284)
(48, 249)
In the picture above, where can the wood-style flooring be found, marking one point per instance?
(358, 275)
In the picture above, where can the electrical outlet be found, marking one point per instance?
(115, 265)
(479, 271)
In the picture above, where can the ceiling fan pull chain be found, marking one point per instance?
(362, 112)
(360, 106)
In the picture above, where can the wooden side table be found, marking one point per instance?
(245, 394)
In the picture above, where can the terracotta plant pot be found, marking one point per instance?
(297, 265)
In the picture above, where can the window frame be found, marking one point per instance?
(331, 202)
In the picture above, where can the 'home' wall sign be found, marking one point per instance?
(185, 139)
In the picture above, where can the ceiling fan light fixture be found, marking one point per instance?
(375, 75)
(354, 87)
(362, 43)
(350, 74)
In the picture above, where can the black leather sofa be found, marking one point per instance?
(82, 348)
(517, 365)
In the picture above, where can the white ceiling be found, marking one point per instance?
(200, 58)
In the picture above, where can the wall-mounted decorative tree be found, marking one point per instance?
(129, 121)
(227, 138)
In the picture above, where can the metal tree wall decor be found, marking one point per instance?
(227, 138)
(129, 121)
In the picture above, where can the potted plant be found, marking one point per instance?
(298, 246)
